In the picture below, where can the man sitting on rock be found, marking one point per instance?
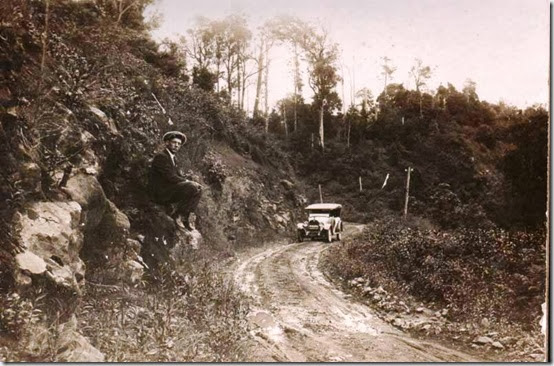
(168, 186)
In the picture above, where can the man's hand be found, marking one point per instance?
(191, 176)
(197, 185)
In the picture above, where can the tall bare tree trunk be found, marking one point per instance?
(296, 84)
(259, 81)
(239, 82)
(266, 87)
(229, 68)
(321, 138)
(218, 74)
(295, 116)
(342, 85)
(266, 91)
(243, 85)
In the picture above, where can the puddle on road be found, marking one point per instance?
(269, 326)
(263, 319)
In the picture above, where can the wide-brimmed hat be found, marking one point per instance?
(175, 134)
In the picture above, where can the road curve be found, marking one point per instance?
(299, 316)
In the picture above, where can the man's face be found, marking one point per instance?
(173, 145)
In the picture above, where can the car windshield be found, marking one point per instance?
(319, 214)
(324, 213)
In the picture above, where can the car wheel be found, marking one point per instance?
(339, 236)
(329, 236)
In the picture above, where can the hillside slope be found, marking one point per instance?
(85, 99)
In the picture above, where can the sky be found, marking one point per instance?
(502, 45)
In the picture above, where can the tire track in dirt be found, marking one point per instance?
(299, 316)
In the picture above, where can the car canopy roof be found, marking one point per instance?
(323, 206)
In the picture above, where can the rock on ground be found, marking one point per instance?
(483, 340)
(73, 347)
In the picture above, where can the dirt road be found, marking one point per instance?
(299, 316)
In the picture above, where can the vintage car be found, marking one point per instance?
(323, 222)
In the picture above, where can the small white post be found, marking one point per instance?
(385, 182)
(360, 179)
(409, 170)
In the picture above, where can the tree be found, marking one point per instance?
(526, 168)
(214, 44)
(201, 47)
(171, 59)
(291, 30)
(263, 61)
(236, 37)
(367, 98)
(125, 12)
(420, 74)
(203, 78)
(470, 90)
(388, 70)
(259, 80)
(322, 55)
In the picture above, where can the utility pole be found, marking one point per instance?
(320, 195)
(409, 170)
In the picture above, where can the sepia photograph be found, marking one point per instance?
(256, 181)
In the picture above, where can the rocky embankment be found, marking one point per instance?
(83, 236)
(428, 320)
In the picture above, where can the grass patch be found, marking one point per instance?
(198, 316)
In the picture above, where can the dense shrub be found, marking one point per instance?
(475, 272)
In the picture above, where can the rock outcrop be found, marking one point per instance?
(106, 231)
(51, 238)
(87, 191)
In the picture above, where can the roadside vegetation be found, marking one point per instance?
(475, 283)
(481, 273)
(195, 314)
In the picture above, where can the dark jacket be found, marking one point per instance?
(163, 177)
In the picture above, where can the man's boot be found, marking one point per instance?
(179, 223)
(187, 222)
